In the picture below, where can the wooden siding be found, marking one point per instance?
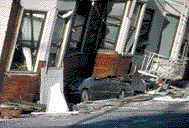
(111, 63)
(20, 87)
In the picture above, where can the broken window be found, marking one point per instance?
(25, 53)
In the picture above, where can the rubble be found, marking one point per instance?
(169, 92)
(10, 110)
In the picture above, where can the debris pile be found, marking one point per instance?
(10, 110)
(171, 93)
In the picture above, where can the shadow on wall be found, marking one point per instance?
(153, 36)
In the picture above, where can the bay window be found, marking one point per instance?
(123, 23)
(57, 40)
(28, 41)
(135, 27)
(113, 23)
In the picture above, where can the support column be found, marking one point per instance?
(180, 32)
(125, 26)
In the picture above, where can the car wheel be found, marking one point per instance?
(122, 94)
(85, 95)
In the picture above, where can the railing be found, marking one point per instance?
(156, 65)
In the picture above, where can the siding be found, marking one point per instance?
(156, 26)
(154, 36)
(5, 8)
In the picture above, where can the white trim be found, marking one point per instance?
(46, 37)
(28, 56)
(69, 13)
(15, 40)
(180, 33)
(2, 39)
(139, 27)
(127, 8)
(132, 8)
(124, 28)
(64, 42)
(21, 73)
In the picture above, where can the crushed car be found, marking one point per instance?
(95, 88)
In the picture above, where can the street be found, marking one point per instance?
(136, 111)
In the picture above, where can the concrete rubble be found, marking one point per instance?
(171, 93)
(20, 109)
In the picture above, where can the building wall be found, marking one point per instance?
(154, 37)
(160, 36)
(168, 34)
(156, 26)
(157, 42)
(5, 8)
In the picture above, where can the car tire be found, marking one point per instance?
(85, 96)
(122, 94)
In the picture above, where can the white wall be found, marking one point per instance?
(5, 7)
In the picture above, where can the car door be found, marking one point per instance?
(115, 85)
(100, 86)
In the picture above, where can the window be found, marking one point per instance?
(113, 23)
(131, 37)
(79, 22)
(57, 39)
(77, 32)
(184, 46)
(146, 24)
(28, 41)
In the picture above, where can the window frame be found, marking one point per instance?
(81, 43)
(125, 12)
(35, 65)
(174, 36)
(64, 41)
(137, 31)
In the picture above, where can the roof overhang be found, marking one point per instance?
(47, 5)
(66, 5)
(41, 5)
(178, 2)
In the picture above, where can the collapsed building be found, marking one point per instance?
(75, 38)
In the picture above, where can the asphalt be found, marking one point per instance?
(105, 113)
